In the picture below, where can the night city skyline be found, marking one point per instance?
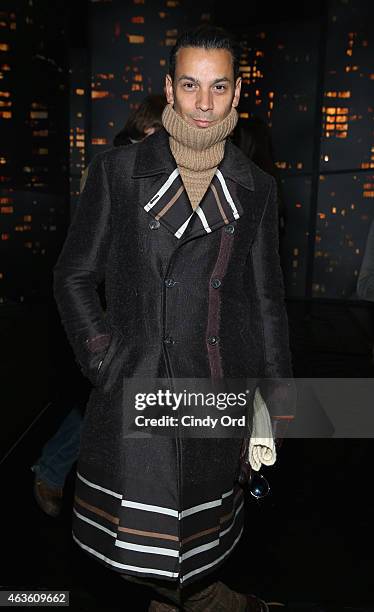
(299, 80)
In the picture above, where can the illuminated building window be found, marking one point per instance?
(27, 218)
(4, 236)
(162, 62)
(40, 133)
(138, 77)
(136, 87)
(6, 210)
(296, 251)
(6, 114)
(138, 1)
(99, 141)
(368, 194)
(38, 114)
(299, 165)
(330, 111)
(79, 115)
(244, 115)
(79, 92)
(137, 19)
(162, 15)
(135, 39)
(333, 210)
(322, 215)
(5, 94)
(326, 158)
(172, 3)
(341, 135)
(298, 205)
(4, 47)
(2, 160)
(5, 67)
(99, 94)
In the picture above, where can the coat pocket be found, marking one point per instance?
(106, 360)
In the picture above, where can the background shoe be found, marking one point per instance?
(255, 604)
(49, 499)
(158, 606)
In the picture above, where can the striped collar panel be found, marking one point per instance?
(172, 207)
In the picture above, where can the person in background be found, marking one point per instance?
(61, 451)
(365, 281)
(253, 137)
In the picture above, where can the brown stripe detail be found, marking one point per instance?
(220, 207)
(149, 534)
(214, 306)
(95, 510)
(199, 534)
(170, 204)
(226, 517)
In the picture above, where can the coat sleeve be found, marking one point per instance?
(81, 267)
(277, 386)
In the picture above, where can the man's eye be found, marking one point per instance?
(221, 87)
(189, 85)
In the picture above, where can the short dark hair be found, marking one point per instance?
(206, 37)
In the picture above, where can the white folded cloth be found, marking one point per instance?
(261, 449)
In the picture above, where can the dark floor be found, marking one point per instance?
(310, 541)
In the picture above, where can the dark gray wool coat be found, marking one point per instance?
(188, 295)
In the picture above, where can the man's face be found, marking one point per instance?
(203, 90)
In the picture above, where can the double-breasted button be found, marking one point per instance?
(229, 229)
(170, 282)
(169, 340)
(212, 340)
(154, 224)
(216, 283)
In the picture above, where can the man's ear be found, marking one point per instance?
(169, 89)
(238, 86)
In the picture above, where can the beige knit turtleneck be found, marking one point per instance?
(197, 151)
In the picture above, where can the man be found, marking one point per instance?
(183, 227)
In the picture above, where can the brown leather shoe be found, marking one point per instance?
(49, 499)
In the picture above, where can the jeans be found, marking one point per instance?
(60, 452)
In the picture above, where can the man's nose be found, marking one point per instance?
(204, 100)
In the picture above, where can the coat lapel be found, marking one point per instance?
(166, 199)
